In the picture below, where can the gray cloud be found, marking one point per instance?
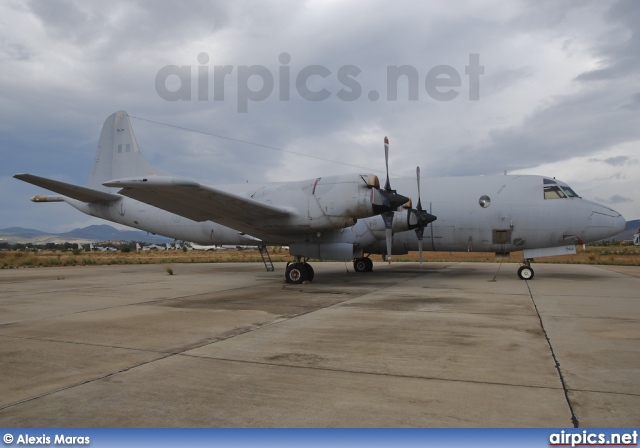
(615, 199)
(634, 104)
(617, 161)
(67, 65)
(619, 52)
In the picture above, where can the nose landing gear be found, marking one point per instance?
(526, 271)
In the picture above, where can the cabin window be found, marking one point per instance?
(484, 201)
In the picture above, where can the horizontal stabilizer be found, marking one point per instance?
(197, 202)
(77, 192)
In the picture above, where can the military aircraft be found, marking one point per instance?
(194, 246)
(93, 248)
(338, 217)
(154, 247)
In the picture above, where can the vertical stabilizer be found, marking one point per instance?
(117, 155)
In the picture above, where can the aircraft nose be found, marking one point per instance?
(604, 223)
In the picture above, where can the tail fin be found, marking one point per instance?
(118, 155)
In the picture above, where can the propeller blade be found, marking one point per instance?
(418, 178)
(387, 186)
(388, 226)
(420, 234)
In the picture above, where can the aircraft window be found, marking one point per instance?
(570, 192)
(553, 192)
(485, 201)
(548, 182)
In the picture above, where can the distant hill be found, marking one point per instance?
(99, 233)
(91, 234)
(627, 234)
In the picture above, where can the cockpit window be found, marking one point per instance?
(553, 192)
(570, 192)
(557, 192)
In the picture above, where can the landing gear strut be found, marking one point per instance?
(363, 264)
(526, 271)
(298, 271)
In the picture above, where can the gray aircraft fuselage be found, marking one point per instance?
(517, 217)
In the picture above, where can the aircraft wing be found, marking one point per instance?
(198, 202)
(83, 194)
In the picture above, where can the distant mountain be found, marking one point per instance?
(627, 234)
(91, 234)
(99, 233)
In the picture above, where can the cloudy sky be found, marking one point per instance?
(311, 81)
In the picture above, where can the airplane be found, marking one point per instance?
(338, 217)
(200, 247)
(102, 249)
(154, 247)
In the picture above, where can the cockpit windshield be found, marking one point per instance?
(570, 192)
(552, 190)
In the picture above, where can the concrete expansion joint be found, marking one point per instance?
(89, 344)
(574, 419)
(364, 372)
(81, 383)
(607, 392)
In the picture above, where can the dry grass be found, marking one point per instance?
(618, 255)
(14, 259)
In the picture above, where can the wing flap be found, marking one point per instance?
(196, 201)
(82, 194)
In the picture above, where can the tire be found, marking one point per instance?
(525, 273)
(360, 264)
(296, 273)
(310, 272)
(369, 264)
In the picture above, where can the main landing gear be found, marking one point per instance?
(526, 271)
(363, 264)
(298, 271)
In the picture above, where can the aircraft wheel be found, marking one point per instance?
(310, 272)
(369, 264)
(296, 273)
(525, 273)
(360, 264)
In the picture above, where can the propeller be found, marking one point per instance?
(419, 230)
(388, 216)
(386, 201)
(395, 201)
(422, 218)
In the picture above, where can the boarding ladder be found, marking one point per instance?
(266, 259)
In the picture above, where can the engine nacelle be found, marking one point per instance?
(333, 202)
(344, 196)
(405, 219)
